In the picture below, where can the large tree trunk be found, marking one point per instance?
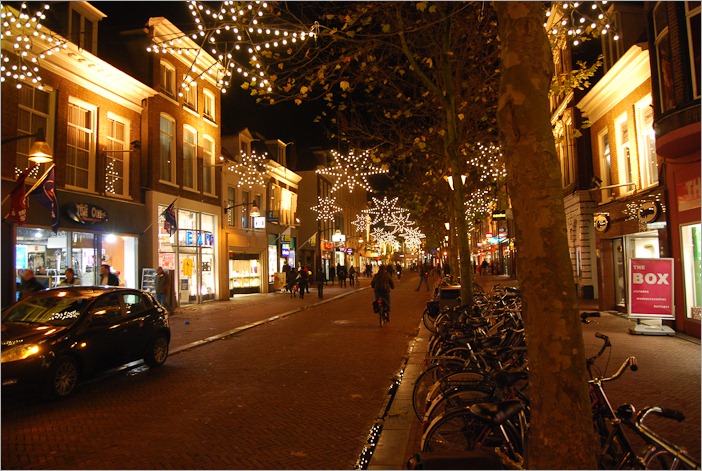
(561, 431)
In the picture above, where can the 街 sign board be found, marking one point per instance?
(651, 288)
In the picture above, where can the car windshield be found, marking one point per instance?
(54, 310)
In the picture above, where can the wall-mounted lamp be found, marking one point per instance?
(254, 213)
(39, 152)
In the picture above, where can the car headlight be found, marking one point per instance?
(20, 352)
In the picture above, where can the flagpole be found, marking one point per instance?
(6, 197)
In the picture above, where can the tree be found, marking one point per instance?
(557, 374)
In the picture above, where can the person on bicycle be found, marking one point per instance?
(382, 284)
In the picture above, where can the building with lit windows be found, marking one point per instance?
(92, 116)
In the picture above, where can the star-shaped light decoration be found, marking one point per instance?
(31, 43)
(381, 210)
(381, 236)
(361, 223)
(326, 209)
(236, 35)
(251, 169)
(486, 161)
(399, 221)
(351, 171)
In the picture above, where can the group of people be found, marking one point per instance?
(30, 284)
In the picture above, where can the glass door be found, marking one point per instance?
(619, 272)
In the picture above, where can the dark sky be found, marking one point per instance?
(285, 121)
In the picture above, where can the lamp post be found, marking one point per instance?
(254, 213)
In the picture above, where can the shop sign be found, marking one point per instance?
(197, 238)
(601, 222)
(688, 194)
(272, 216)
(285, 250)
(85, 213)
(328, 245)
(500, 215)
(259, 222)
(349, 251)
(649, 211)
(651, 288)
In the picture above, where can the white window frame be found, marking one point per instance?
(691, 42)
(29, 120)
(661, 36)
(605, 158)
(189, 93)
(168, 75)
(208, 165)
(167, 156)
(625, 157)
(208, 105)
(648, 165)
(122, 154)
(72, 148)
(189, 157)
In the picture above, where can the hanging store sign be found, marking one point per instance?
(601, 222)
(85, 213)
(651, 288)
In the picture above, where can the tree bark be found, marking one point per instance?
(561, 430)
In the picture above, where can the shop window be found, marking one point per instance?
(34, 112)
(167, 167)
(189, 157)
(691, 248)
(80, 145)
(117, 156)
(245, 208)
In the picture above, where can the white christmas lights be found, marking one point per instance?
(326, 209)
(251, 169)
(578, 21)
(351, 171)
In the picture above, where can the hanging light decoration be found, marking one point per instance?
(351, 171)
(577, 22)
(251, 169)
(326, 209)
(361, 223)
(31, 42)
(381, 209)
(236, 35)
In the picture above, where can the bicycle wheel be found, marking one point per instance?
(456, 397)
(659, 458)
(428, 377)
(429, 320)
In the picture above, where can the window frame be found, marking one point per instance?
(692, 43)
(168, 74)
(666, 96)
(625, 159)
(208, 165)
(208, 105)
(189, 153)
(172, 167)
(122, 154)
(605, 161)
(29, 120)
(646, 144)
(91, 133)
(189, 94)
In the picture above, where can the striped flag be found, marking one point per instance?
(170, 224)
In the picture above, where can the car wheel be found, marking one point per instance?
(157, 352)
(63, 377)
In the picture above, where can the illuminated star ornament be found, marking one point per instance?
(381, 209)
(351, 171)
(361, 223)
(326, 209)
(251, 169)
(30, 43)
(238, 35)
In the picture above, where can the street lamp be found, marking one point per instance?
(254, 213)
(40, 152)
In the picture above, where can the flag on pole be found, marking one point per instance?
(18, 199)
(170, 224)
(44, 191)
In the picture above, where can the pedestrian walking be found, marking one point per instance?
(107, 277)
(309, 277)
(287, 271)
(484, 268)
(352, 275)
(423, 276)
(162, 287)
(332, 274)
(342, 274)
(29, 284)
(320, 279)
(290, 280)
(302, 280)
(69, 278)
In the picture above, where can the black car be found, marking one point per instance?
(53, 339)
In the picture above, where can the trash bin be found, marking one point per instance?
(449, 296)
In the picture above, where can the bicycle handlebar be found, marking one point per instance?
(662, 411)
(585, 315)
(606, 344)
(628, 363)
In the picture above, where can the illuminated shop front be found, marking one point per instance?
(189, 252)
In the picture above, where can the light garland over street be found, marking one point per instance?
(351, 171)
(326, 209)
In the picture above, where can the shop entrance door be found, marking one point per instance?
(188, 281)
(619, 258)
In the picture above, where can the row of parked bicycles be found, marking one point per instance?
(472, 398)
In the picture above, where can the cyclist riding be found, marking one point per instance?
(382, 284)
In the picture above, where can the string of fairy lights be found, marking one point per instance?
(236, 36)
(580, 21)
(251, 169)
(326, 208)
(31, 42)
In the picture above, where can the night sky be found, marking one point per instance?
(285, 121)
